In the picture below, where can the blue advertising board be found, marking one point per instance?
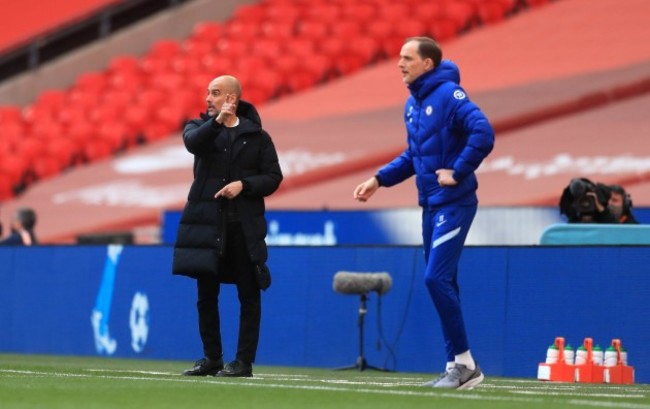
(119, 301)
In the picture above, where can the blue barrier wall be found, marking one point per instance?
(516, 301)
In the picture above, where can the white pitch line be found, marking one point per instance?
(622, 405)
(582, 394)
(129, 371)
(248, 383)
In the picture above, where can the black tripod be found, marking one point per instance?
(361, 364)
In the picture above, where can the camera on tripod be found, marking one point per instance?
(584, 201)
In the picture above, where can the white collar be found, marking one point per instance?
(234, 125)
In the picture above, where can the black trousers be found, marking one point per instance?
(242, 270)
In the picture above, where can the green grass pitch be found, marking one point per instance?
(36, 381)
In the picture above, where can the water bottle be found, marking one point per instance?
(569, 355)
(552, 354)
(597, 355)
(624, 356)
(581, 355)
(611, 356)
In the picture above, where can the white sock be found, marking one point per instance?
(466, 359)
(450, 365)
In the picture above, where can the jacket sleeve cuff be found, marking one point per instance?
(246, 186)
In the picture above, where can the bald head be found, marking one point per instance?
(227, 84)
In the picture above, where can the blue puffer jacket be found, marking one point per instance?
(445, 131)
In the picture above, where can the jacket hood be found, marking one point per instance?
(244, 110)
(427, 82)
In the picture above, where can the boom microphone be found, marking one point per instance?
(361, 283)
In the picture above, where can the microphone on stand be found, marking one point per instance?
(346, 282)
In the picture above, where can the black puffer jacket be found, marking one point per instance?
(252, 158)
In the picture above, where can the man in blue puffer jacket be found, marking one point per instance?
(448, 137)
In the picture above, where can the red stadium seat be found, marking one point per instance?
(369, 50)
(188, 64)
(443, 29)
(360, 12)
(46, 166)
(165, 49)
(249, 13)
(301, 72)
(494, 10)
(245, 31)
(34, 112)
(135, 119)
(51, 100)
(14, 167)
(402, 32)
(69, 115)
(46, 130)
(461, 14)
(312, 29)
(264, 84)
(154, 131)
(393, 11)
(151, 99)
(104, 112)
(124, 64)
(325, 12)
(10, 113)
(346, 30)
(277, 31)
(96, 149)
(209, 32)
(152, 65)
(301, 47)
(81, 132)
(195, 48)
(93, 82)
(82, 99)
(30, 149)
(232, 49)
(380, 29)
(267, 48)
(64, 151)
(114, 133)
(11, 132)
(126, 81)
(283, 12)
(428, 11)
(213, 66)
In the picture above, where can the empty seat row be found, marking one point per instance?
(275, 47)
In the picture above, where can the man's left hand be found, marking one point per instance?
(446, 177)
(231, 190)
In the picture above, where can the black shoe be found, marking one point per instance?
(237, 368)
(204, 367)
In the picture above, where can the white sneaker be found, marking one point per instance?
(435, 380)
(460, 377)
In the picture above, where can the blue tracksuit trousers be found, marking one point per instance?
(444, 230)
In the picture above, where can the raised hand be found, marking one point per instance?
(228, 109)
